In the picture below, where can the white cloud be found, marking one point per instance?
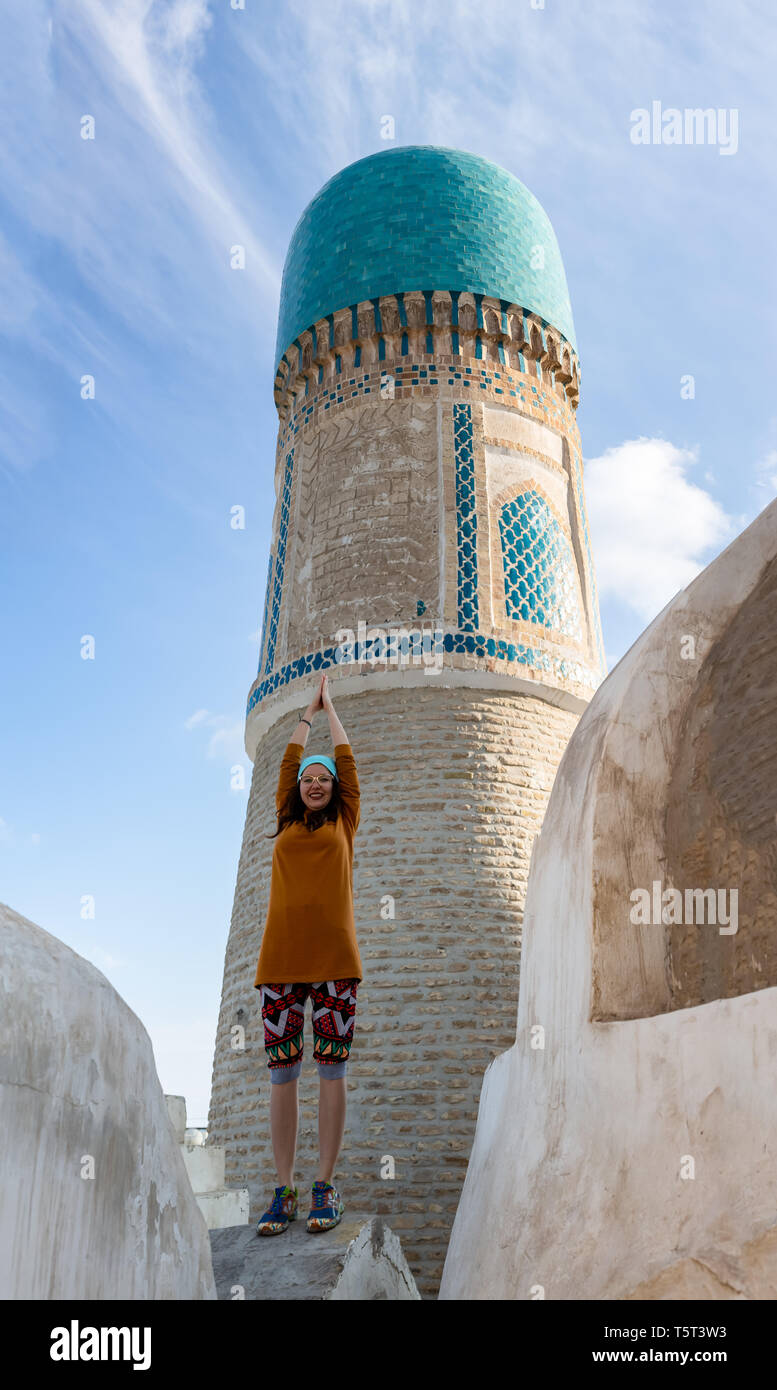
(8, 835)
(766, 471)
(652, 528)
(103, 959)
(226, 738)
(195, 719)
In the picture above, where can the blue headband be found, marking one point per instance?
(314, 758)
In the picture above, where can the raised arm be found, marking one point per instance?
(302, 730)
(335, 727)
(287, 777)
(347, 777)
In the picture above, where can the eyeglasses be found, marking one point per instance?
(324, 779)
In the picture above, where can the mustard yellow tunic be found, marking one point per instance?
(309, 932)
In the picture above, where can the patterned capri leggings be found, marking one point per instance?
(283, 1015)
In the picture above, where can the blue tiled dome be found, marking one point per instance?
(421, 217)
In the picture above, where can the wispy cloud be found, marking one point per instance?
(225, 735)
(147, 55)
(766, 470)
(100, 957)
(196, 719)
(125, 237)
(506, 83)
(9, 835)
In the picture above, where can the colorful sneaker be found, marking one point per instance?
(282, 1210)
(328, 1206)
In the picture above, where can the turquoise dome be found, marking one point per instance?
(421, 217)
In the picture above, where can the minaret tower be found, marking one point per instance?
(430, 551)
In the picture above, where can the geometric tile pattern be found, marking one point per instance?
(540, 574)
(266, 609)
(280, 560)
(466, 520)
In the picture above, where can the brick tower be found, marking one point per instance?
(430, 551)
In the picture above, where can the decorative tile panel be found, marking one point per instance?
(466, 520)
(266, 610)
(540, 573)
(280, 560)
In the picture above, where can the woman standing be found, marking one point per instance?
(309, 942)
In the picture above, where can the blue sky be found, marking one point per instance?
(214, 126)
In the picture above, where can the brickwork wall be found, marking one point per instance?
(364, 523)
(454, 782)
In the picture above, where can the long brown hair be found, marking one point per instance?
(294, 809)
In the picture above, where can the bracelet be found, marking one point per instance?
(305, 721)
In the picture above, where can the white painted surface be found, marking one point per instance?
(205, 1167)
(228, 1206)
(375, 1267)
(176, 1109)
(574, 1186)
(95, 1202)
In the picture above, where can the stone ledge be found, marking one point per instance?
(359, 1259)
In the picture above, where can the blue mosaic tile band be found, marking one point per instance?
(266, 609)
(380, 649)
(466, 520)
(431, 373)
(419, 217)
(540, 573)
(280, 561)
